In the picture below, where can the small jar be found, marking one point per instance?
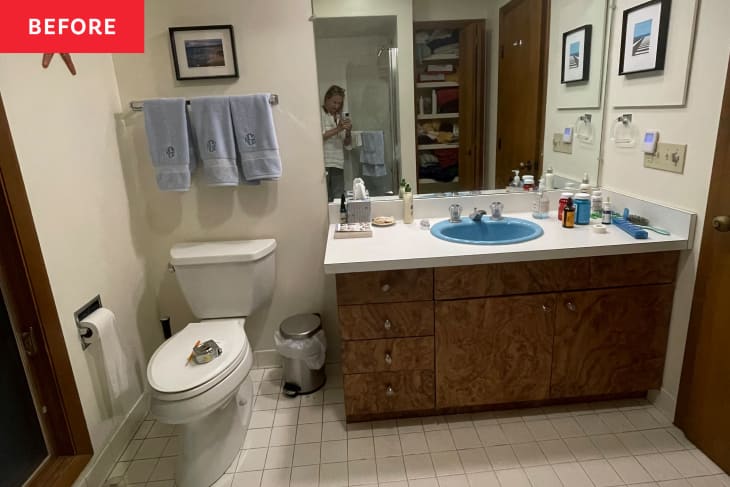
(561, 204)
(528, 182)
(582, 209)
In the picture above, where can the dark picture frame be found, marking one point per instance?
(575, 43)
(648, 33)
(204, 52)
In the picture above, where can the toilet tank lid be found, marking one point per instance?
(191, 253)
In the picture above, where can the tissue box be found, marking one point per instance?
(358, 211)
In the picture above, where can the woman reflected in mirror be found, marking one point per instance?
(336, 137)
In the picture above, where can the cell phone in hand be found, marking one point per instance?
(346, 115)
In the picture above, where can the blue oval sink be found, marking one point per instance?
(487, 232)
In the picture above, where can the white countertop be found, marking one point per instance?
(407, 246)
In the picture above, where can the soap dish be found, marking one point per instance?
(383, 221)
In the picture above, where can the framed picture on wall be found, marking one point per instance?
(644, 37)
(576, 55)
(204, 52)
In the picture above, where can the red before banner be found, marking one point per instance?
(76, 26)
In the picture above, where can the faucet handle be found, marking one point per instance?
(496, 208)
(455, 213)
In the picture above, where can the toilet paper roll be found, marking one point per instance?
(103, 326)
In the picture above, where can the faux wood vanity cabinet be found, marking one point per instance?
(421, 341)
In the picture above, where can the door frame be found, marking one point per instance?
(36, 325)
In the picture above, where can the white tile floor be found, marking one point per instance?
(304, 442)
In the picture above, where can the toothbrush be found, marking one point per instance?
(658, 230)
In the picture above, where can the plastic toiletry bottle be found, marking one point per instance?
(562, 202)
(516, 183)
(407, 205)
(549, 178)
(585, 185)
(582, 209)
(402, 188)
(528, 182)
(569, 214)
(607, 211)
(541, 204)
(343, 209)
(596, 206)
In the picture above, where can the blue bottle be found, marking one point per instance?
(582, 209)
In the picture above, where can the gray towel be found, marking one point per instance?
(372, 153)
(170, 142)
(258, 149)
(211, 119)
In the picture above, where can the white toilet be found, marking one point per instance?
(223, 282)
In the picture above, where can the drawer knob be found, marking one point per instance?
(570, 305)
(546, 308)
(388, 358)
(387, 325)
(385, 288)
(389, 391)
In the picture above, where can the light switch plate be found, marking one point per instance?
(668, 157)
(560, 146)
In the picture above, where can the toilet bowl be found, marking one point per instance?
(212, 402)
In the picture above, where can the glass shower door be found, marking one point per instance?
(373, 102)
(22, 447)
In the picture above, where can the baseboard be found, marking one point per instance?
(664, 402)
(103, 462)
(266, 358)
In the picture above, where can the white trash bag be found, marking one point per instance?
(311, 349)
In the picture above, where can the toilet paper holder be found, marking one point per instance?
(85, 333)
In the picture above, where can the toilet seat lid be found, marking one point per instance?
(169, 370)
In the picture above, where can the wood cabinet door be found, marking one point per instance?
(610, 341)
(493, 350)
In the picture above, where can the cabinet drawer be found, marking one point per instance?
(634, 269)
(385, 286)
(512, 278)
(387, 355)
(386, 392)
(386, 320)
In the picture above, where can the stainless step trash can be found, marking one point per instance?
(302, 344)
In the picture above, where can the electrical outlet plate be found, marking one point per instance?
(560, 146)
(668, 157)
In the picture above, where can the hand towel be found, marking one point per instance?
(258, 149)
(211, 118)
(169, 141)
(372, 153)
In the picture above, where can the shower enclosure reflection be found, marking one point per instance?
(357, 54)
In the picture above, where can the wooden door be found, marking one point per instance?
(704, 392)
(472, 59)
(494, 350)
(610, 341)
(521, 87)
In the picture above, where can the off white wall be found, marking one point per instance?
(695, 125)
(425, 10)
(403, 11)
(275, 45)
(88, 227)
(566, 15)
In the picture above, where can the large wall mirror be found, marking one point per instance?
(455, 96)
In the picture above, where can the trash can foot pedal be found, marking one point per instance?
(291, 390)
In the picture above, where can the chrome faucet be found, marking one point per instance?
(477, 215)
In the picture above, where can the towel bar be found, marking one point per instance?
(138, 105)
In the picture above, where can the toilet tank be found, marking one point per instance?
(225, 279)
